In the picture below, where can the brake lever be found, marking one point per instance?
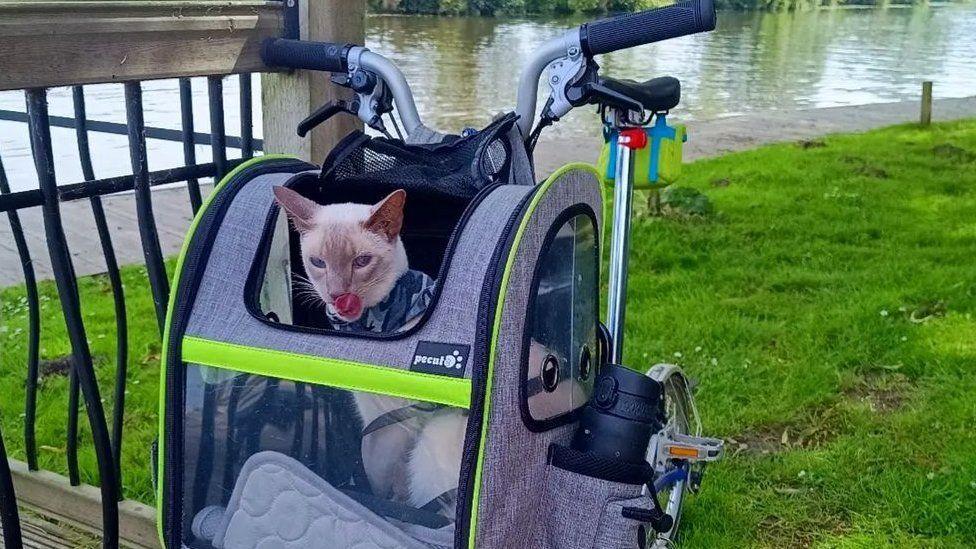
(326, 112)
(589, 89)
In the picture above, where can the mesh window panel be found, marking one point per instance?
(459, 167)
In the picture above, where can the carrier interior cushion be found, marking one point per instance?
(278, 502)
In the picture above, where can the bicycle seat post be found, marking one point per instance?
(630, 138)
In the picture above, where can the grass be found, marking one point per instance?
(826, 308)
(139, 428)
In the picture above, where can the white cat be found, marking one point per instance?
(357, 265)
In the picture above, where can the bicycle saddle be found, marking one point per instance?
(656, 95)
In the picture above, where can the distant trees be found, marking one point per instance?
(509, 7)
(521, 7)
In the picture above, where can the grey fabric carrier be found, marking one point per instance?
(265, 426)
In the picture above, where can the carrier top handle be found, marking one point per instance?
(567, 55)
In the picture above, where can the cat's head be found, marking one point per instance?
(352, 252)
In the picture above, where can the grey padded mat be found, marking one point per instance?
(279, 503)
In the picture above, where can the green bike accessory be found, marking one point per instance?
(656, 165)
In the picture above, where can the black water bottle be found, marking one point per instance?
(625, 410)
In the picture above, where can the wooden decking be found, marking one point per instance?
(171, 207)
(56, 515)
(40, 532)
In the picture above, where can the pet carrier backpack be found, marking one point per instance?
(499, 418)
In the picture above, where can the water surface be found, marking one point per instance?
(463, 70)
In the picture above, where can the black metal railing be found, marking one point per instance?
(82, 384)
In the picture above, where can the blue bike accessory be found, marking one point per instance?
(656, 165)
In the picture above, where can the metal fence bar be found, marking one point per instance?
(189, 143)
(28, 199)
(231, 441)
(9, 517)
(201, 478)
(33, 327)
(247, 122)
(115, 280)
(218, 140)
(40, 134)
(155, 267)
(82, 383)
(71, 437)
(99, 126)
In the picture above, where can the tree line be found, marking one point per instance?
(532, 7)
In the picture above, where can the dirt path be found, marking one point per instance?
(715, 137)
(708, 138)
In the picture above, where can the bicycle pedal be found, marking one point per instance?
(690, 448)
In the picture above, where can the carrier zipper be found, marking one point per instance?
(487, 303)
(189, 280)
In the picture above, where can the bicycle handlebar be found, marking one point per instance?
(338, 58)
(607, 35)
(302, 54)
(602, 36)
(654, 25)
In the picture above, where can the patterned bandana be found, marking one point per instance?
(409, 298)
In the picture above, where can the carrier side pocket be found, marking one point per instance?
(585, 497)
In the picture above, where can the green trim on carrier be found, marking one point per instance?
(332, 372)
(496, 325)
(163, 363)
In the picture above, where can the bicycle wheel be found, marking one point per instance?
(672, 479)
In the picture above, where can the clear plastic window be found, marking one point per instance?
(271, 458)
(562, 344)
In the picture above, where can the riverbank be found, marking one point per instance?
(707, 139)
(826, 307)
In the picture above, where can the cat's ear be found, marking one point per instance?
(386, 217)
(300, 210)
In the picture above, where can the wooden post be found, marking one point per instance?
(926, 117)
(287, 98)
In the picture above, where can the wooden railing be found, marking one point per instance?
(47, 43)
(67, 42)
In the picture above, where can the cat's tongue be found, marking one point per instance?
(349, 305)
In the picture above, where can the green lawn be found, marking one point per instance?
(143, 376)
(826, 308)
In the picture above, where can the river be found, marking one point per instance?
(463, 70)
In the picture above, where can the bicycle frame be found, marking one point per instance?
(623, 199)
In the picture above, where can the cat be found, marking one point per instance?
(357, 265)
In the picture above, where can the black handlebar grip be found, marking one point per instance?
(635, 29)
(302, 54)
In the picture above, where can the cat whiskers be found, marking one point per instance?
(307, 294)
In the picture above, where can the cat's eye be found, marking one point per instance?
(317, 262)
(361, 261)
